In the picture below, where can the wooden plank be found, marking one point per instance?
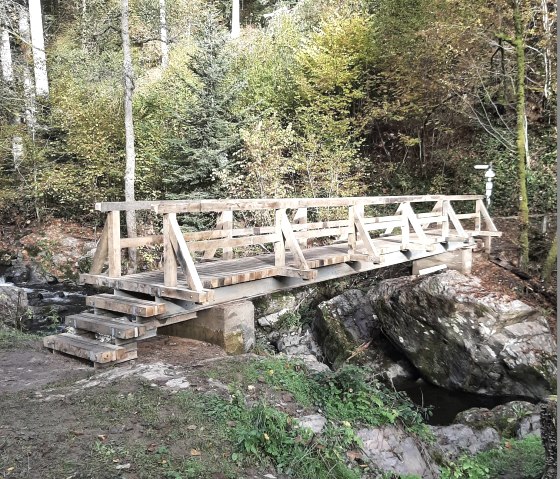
(322, 233)
(169, 255)
(126, 305)
(405, 229)
(294, 203)
(114, 243)
(85, 348)
(292, 242)
(232, 242)
(225, 226)
(365, 238)
(477, 220)
(493, 234)
(300, 220)
(115, 327)
(352, 232)
(398, 214)
(148, 286)
(466, 216)
(416, 226)
(488, 220)
(445, 222)
(455, 221)
(183, 255)
(296, 273)
(279, 246)
(100, 255)
(432, 269)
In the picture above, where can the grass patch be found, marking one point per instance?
(15, 339)
(514, 459)
(348, 398)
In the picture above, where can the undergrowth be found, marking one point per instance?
(514, 459)
(348, 399)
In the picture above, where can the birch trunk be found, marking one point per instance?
(163, 35)
(519, 43)
(38, 44)
(129, 173)
(8, 76)
(235, 25)
(6, 56)
(28, 86)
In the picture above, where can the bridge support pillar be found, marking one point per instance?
(230, 326)
(459, 260)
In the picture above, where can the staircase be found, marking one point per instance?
(119, 320)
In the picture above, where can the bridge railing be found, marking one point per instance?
(290, 234)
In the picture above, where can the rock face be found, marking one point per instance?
(458, 439)
(13, 304)
(344, 324)
(513, 419)
(390, 449)
(463, 337)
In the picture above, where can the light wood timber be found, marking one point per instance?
(100, 256)
(169, 256)
(279, 246)
(129, 283)
(114, 243)
(130, 306)
(183, 255)
(117, 328)
(85, 348)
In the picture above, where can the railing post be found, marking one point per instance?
(405, 227)
(445, 222)
(300, 218)
(114, 243)
(477, 220)
(226, 223)
(169, 255)
(279, 245)
(351, 230)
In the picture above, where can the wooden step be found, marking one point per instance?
(126, 305)
(85, 348)
(120, 328)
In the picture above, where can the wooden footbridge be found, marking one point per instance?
(299, 242)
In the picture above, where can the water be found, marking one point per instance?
(445, 404)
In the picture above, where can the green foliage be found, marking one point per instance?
(514, 459)
(208, 130)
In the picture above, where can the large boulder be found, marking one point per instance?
(513, 419)
(347, 328)
(390, 449)
(13, 305)
(458, 439)
(464, 337)
(344, 323)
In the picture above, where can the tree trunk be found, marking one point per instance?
(549, 436)
(6, 56)
(235, 25)
(163, 35)
(129, 173)
(550, 261)
(38, 44)
(28, 87)
(519, 43)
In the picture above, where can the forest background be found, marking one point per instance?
(312, 98)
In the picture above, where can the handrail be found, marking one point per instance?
(290, 234)
(219, 205)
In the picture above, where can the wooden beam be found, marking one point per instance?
(294, 203)
(100, 255)
(114, 243)
(455, 221)
(292, 242)
(183, 255)
(300, 220)
(279, 246)
(232, 242)
(169, 255)
(365, 238)
(409, 214)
